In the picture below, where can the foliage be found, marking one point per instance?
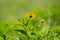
(41, 22)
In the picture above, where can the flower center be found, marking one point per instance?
(30, 16)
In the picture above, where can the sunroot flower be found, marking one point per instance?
(30, 15)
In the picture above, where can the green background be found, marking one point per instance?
(12, 10)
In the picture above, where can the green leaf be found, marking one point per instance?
(2, 35)
(33, 33)
(22, 31)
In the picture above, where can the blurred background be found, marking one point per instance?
(10, 10)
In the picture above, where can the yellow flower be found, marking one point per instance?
(30, 15)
